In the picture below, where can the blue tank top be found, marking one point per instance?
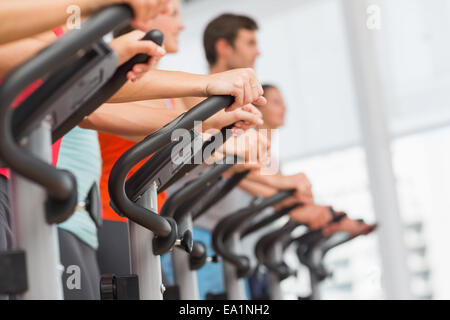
(80, 154)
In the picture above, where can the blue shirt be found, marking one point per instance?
(80, 154)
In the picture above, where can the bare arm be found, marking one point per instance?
(15, 53)
(275, 181)
(14, 13)
(158, 84)
(43, 15)
(298, 181)
(129, 119)
(242, 84)
(135, 121)
(257, 189)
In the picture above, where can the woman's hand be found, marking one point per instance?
(129, 45)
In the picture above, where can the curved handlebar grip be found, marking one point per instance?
(273, 237)
(240, 262)
(268, 220)
(154, 35)
(180, 198)
(61, 185)
(235, 220)
(150, 145)
(183, 194)
(217, 193)
(336, 240)
(279, 268)
(229, 224)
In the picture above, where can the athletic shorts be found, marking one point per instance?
(78, 259)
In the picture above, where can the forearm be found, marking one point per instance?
(128, 119)
(274, 181)
(40, 16)
(14, 54)
(257, 189)
(160, 84)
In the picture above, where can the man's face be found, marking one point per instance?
(245, 50)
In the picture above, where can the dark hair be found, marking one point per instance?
(225, 26)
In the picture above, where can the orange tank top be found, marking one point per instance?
(112, 147)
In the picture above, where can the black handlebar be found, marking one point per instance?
(151, 144)
(216, 192)
(179, 200)
(228, 225)
(268, 220)
(268, 241)
(279, 268)
(108, 90)
(60, 184)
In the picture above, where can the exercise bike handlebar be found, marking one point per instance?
(268, 241)
(178, 205)
(218, 191)
(59, 183)
(268, 220)
(228, 225)
(151, 144)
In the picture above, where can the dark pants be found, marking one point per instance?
(75, 252)
(113, 252)
(6, 236)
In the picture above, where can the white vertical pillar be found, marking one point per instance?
(376, 141)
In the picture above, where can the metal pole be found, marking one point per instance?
(184, 277)
(234, 287)
(32, 232)
(275, 254)
(143, 262)
(375, 135)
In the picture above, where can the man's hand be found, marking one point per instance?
(313, 216)
(129, 45)
(240, 83)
